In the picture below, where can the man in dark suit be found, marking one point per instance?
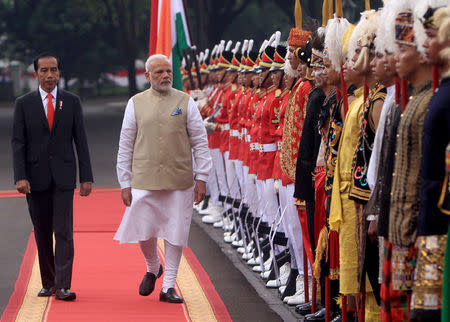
(46, 124)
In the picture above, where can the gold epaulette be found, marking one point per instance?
(233, 87)
(286, 91)
(278, 92)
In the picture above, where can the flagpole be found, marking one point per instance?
(153, 27)
(187, 21)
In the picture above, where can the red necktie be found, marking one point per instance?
(50, 111)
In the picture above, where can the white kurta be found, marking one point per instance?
(164, 214)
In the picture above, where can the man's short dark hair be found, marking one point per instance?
(36, 60)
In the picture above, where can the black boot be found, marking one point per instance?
(286, 257)
(291, 284)
(205, 202)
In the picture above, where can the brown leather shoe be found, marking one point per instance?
(171, 296)
(65, 295)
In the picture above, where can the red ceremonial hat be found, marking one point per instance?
(298, 37)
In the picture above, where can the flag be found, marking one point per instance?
(169, 34)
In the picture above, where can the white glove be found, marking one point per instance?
(210, 126)
(276, 186)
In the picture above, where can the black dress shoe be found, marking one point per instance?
(305, 309)
(64, 294)
(318, 316)
(171, 296)
(46, 292)
(148, 282)
(338, 318)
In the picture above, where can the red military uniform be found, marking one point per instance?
(266, 141)
(214, 138)
(235, 127)
(256, 110)
(249, 110)
(243, 109)
(222, 118)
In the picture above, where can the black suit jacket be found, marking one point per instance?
(41, 155)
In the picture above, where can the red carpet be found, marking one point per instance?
(106, 276)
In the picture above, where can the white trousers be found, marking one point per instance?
(270, 199)
(250, 191)
(172, 257)
(213, 186)
(219, 166)
(240, 177)
(233, 183)
(292, 223)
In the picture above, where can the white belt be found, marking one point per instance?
(225, 126)
(234, 133)
(271, 147)
(254, 146)
(244, 130)
(247, 138)
(279, 145)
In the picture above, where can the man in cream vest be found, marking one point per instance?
(162, 135)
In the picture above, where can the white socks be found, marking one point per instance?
(172, 258)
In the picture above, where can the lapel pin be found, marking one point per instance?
(60, 105)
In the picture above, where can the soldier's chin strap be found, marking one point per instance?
(221, 80)
(280, 82)
(235, 78)
(264, 80)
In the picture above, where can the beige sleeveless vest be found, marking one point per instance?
(162, 157)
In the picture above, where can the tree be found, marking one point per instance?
(62, 28)
(211, 21)
(89, 36)
(129, 21)
(210, 18)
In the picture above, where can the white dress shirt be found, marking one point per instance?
(45, 98)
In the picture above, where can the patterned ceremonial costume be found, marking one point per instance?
(331, 150)
(360, 191)
(404, 209)
(432, 224)
(378, 204)
(308, 147)
(306, 161)
(277, 132)
(292, 127)
(342, 210)
(321, 261)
